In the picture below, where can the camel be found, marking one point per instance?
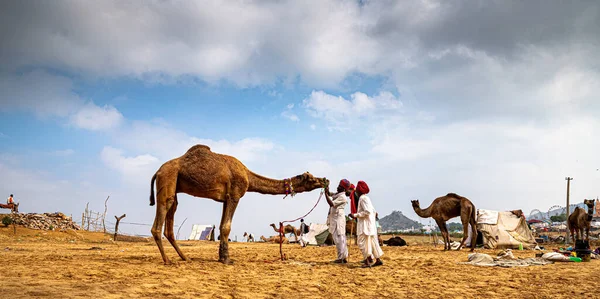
(580, 220)
(274, 239)
(13, 207)
(249, 236)
(447, 207)
(287, 229)
(202, 173)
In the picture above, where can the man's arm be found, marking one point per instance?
(363, 207)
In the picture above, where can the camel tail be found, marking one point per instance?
(152, 201)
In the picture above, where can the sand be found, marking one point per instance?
(81, 264)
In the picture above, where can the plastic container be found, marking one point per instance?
(575, 259)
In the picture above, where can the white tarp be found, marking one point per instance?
(487, 216)
(313, 231)
(200, 232)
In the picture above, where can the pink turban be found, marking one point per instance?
(362, 187)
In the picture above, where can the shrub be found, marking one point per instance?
(7, 220)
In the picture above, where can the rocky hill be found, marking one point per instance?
(397, 221)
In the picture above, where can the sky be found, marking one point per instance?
(494, 100)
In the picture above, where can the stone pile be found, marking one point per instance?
(47, 221)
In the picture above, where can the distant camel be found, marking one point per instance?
(447, 207)
(12, 206)
(249, 236)
(274, 239)
(287, 229)
(580, 220)
(395, 241)
(203, 173)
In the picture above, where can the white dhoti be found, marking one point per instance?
(340, 245)
(369, 246)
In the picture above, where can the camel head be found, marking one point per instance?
(589, 203)
(273, 225)
(263, 238)
(308, 182)
(415, 204)
(245, 234)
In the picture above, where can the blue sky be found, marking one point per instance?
(493, 101)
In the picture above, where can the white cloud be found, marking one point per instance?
(289, 114)
(341, 112)
(92, 117)
(133, 169)
(49, 95)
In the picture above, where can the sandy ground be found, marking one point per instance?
(80, 264)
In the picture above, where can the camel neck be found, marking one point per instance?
(423, 213)
(265, 185)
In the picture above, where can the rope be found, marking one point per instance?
(281, 234)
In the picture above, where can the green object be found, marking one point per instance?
(520, 246)
(7, 220)
(575, 259)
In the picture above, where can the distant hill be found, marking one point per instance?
(397, 221)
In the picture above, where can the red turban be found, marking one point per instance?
(362, 187)
(344, 183)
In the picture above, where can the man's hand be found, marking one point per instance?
(351, 216)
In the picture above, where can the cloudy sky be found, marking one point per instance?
(494, 100)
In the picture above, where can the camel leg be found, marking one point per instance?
(473, 234)
(464, 219)
(229, 207)
(444, 232)
(161, 213)
(587, 233)
(169, 233)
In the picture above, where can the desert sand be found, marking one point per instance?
(73, 264)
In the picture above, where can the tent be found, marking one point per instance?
(200, 232)
(504, 230)
(318, 234)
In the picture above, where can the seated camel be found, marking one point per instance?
(287, 229)
(250, 237)
(580, 220)
(274, 239)
(11, 206)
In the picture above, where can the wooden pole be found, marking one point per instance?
(177, 236)
(117, 225)
(568, 206)
(104, 215)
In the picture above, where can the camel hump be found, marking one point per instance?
(199, 147)
(454, 195)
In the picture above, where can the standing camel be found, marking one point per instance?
(202, 173)
(287, 229)
(580, 220)
(447, 207)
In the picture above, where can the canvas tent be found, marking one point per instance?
(504, 230)
(317, 234)
(200, 232)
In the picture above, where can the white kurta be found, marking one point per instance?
(367, 228)
(336, 220)
(366, 217)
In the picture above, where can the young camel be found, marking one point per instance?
(202, 173)
(447, 207)
(287, 229)
(580, 220)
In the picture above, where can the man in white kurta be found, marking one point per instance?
(366, 227)
(336, 220)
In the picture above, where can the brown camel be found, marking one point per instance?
(202, 173)
(13, 207)
(447, 207)
(287, 229)
(274, 239)
(580, 220)
(250, 237)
